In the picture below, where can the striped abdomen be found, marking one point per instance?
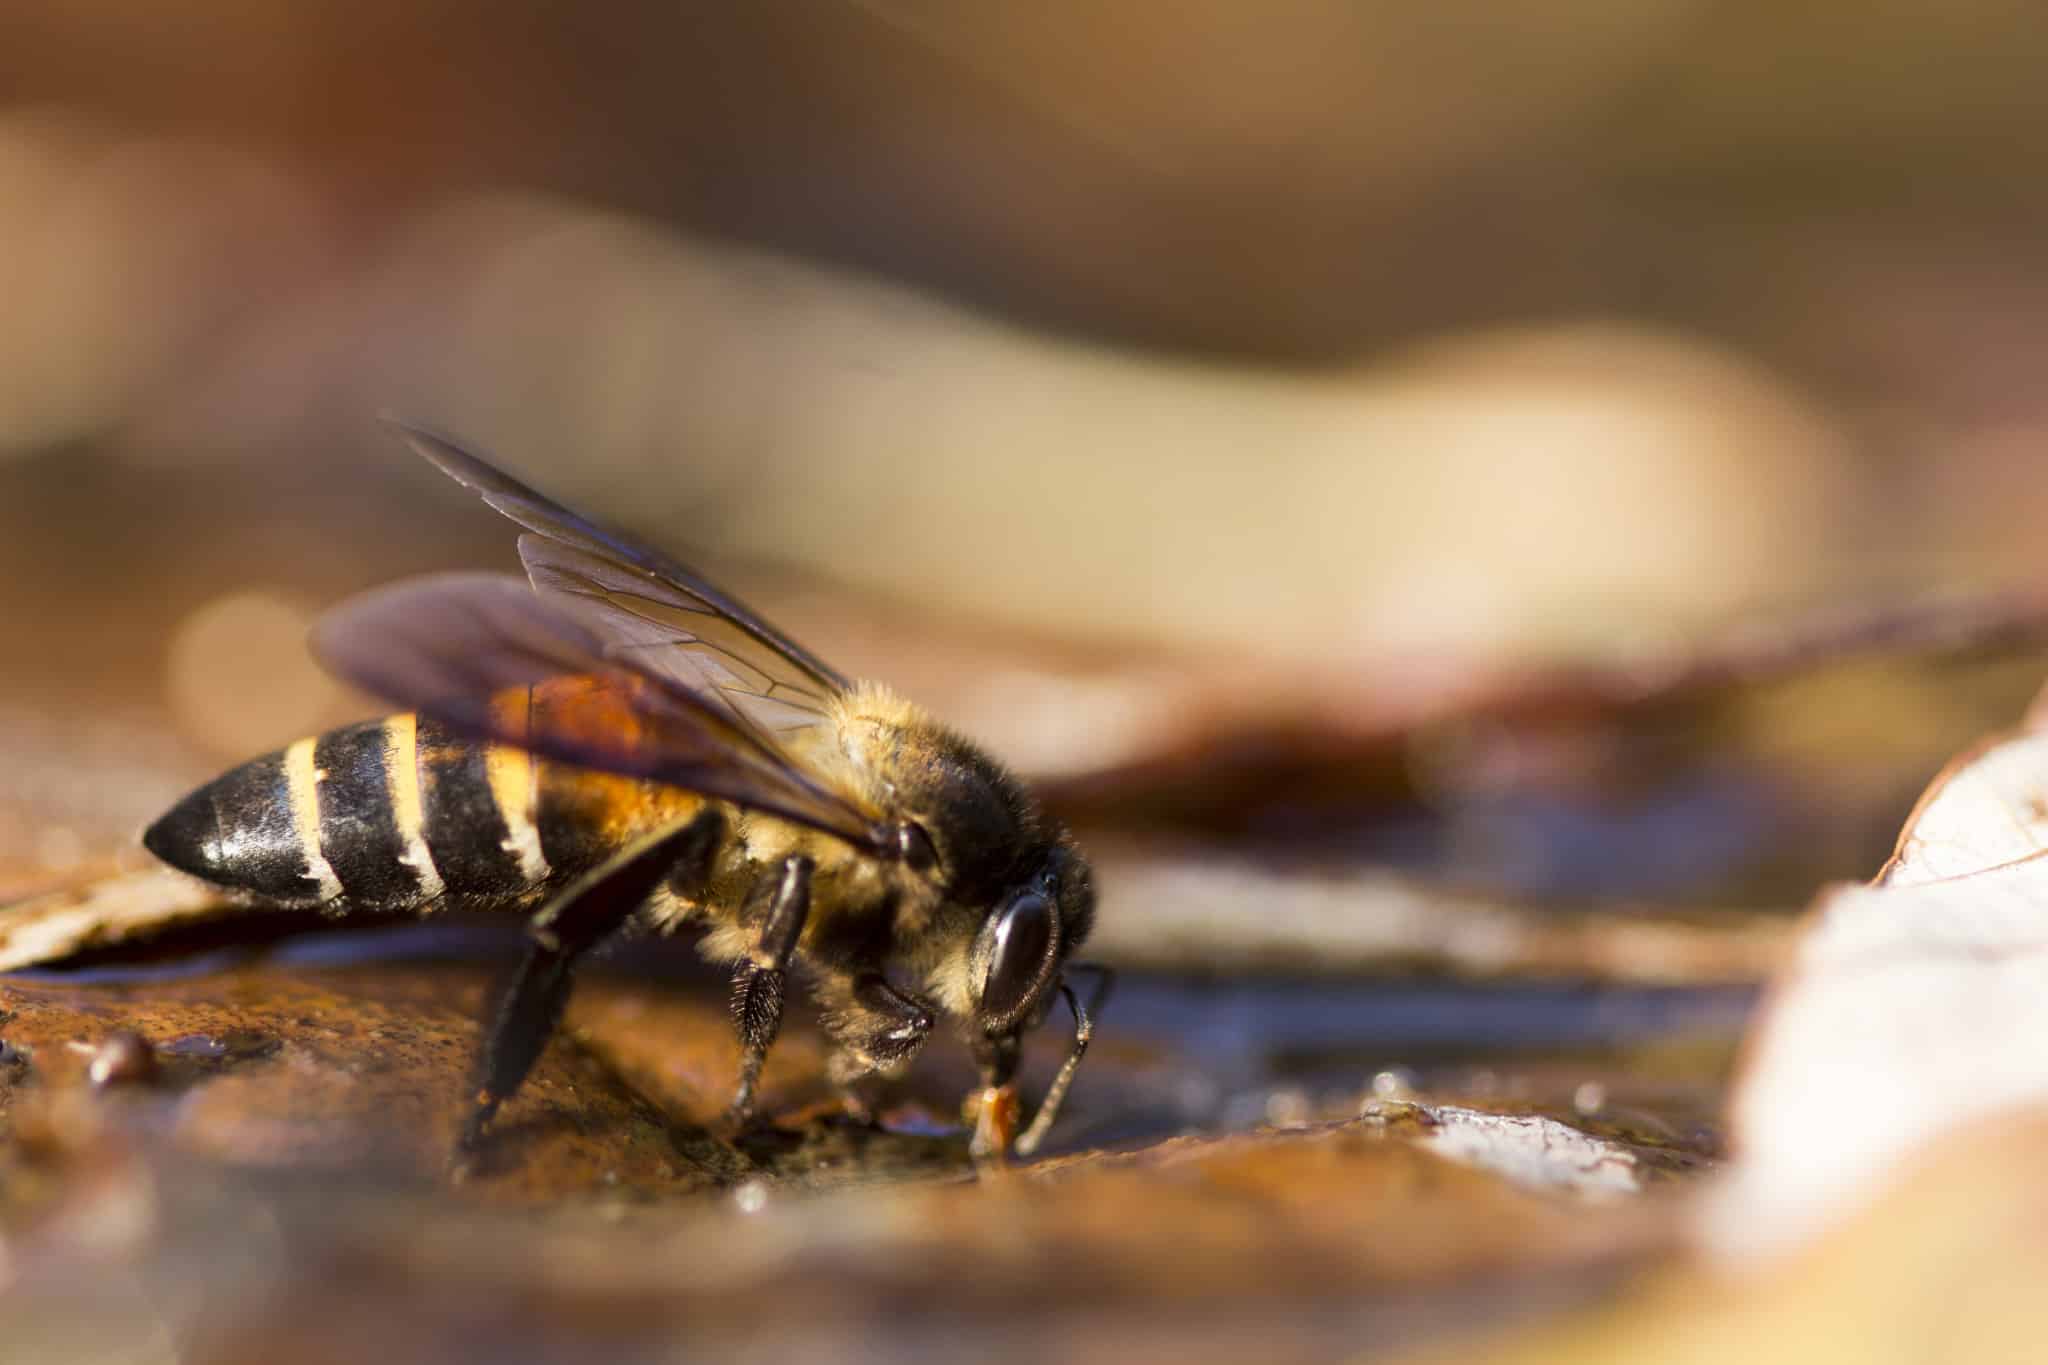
(399, 814)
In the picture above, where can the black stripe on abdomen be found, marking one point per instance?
(465, 830)
(573, 816)
(359, 833)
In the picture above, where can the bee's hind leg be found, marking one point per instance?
(594, 905)
(760, 980)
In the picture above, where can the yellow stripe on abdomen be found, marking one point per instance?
(402, 773)
(515, 788)
(302, 791)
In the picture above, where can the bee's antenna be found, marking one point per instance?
(1084, 1029)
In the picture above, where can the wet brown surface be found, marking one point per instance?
(248, 1156)
(1086, 1264)
(355, 1070)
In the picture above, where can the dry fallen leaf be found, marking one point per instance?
(1916, 1008)
(101, 913)
(1987, 808)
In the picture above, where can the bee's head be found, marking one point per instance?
(1016, 893)
(1013, 968)
(1012, 898)
(1019, 961)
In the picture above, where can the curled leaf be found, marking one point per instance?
(1916, 1008)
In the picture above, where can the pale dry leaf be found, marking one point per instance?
(133, 906)
(1987, 809)
(1915, 1008)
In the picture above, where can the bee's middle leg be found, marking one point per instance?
(878, 1027)
(760, 980)
(565, 928)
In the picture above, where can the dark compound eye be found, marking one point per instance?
(1023, 938)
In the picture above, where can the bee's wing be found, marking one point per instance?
(653, 615)
(471, 650)
(748, 636)
(652, 626)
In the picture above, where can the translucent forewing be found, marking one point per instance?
(684, 683)
(548, 518)
(468, 649)
(678, 639)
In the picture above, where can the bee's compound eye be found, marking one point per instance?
(1022, 942)
(914, 847)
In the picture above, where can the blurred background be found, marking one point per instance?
(1511, 496)
(1224, 410)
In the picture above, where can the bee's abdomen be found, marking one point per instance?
(389, 815)
(243, 830)
(363, 777)
(477, 803)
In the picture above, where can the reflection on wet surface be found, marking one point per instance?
(1173, 1054)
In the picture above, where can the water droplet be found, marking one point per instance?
(1395, 1083)
(125, 1058)
(751, 1197)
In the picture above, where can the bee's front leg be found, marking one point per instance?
(877, 1027)
(592, 907)
(758, 982)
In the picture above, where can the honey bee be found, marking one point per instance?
(613, 742)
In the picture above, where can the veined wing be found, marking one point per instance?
(647, 625)
(652, 614)
(682, 586)
(488, 657)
